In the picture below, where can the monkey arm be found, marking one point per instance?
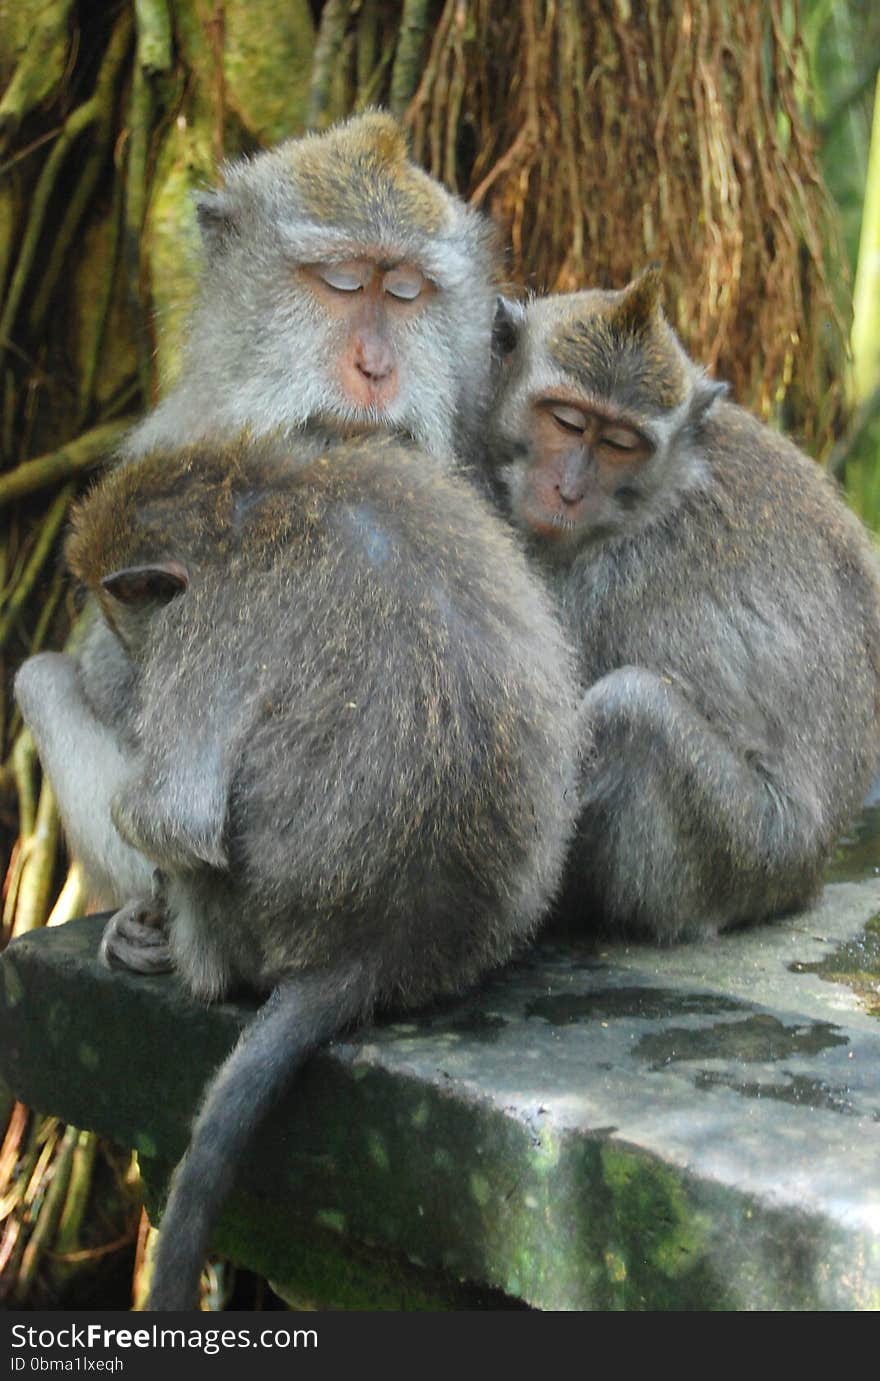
(175, 812)
(87, 765)
(193, 717)
(681, 832)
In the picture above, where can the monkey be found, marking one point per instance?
(351, 750)
(343, 288)
(723, 603)
(344, 291)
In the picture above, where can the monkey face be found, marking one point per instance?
(582, 472)
(371, 305)
(317, 330)
(596, 414)
(343, 288)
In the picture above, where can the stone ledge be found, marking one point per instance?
(612, 1128)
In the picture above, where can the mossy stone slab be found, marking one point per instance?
(600, 1127)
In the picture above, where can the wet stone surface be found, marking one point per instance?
(600, 1127)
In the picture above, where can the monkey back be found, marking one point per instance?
(362, 739)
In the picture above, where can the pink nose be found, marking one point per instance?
(572, 484)
(570, 493)
(374, 360)
(368, 373)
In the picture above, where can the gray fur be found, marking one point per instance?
(356, 755)
(89, 767)
(262, 353)
(727, 620)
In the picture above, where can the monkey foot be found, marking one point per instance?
(135, 938)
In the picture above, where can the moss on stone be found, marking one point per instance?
(656, 1256)
(855, 963)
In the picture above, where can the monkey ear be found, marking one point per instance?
(216, 218)
(137, 586)
(640, 302)
(509, 317)
(707, 392)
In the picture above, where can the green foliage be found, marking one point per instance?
(842, 44)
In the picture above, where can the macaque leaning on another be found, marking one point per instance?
(351, 750)
(724, 604)
(344, 291)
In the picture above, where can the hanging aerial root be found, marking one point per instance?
(96, 111)
(608, 136)
(86, 452)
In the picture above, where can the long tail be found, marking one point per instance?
(300, 1015)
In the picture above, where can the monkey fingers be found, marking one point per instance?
(136, 938)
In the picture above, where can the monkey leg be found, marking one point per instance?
(680, 833)
(136, 938)
(86, 766)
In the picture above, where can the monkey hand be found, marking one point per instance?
(180, 829)
(136, 938)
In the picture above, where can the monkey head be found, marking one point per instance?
(596, 403)
(126, 537)
(344, 287)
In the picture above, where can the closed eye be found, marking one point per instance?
(569, 419)
(344, 278)
(404, 284)
(621, 440)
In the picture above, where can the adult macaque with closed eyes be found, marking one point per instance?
(724, 603)
(353, 749)
(343, 287)
(344, 290)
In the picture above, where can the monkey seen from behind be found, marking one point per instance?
(340, 759)
(352, 749)
(724, 605)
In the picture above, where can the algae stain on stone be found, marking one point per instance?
(88, 1056)
(480, 1188)
(652, 1216)
(481, 1026)
(13, 988)
(758, 1039)
(145, 1145)
(58, 1022)
(856, 964)
(420, 1116)
(377, 1150)
(857, 856)
(545, 1152)
(650, 1004)
(331, 1218)
(797, 1090)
